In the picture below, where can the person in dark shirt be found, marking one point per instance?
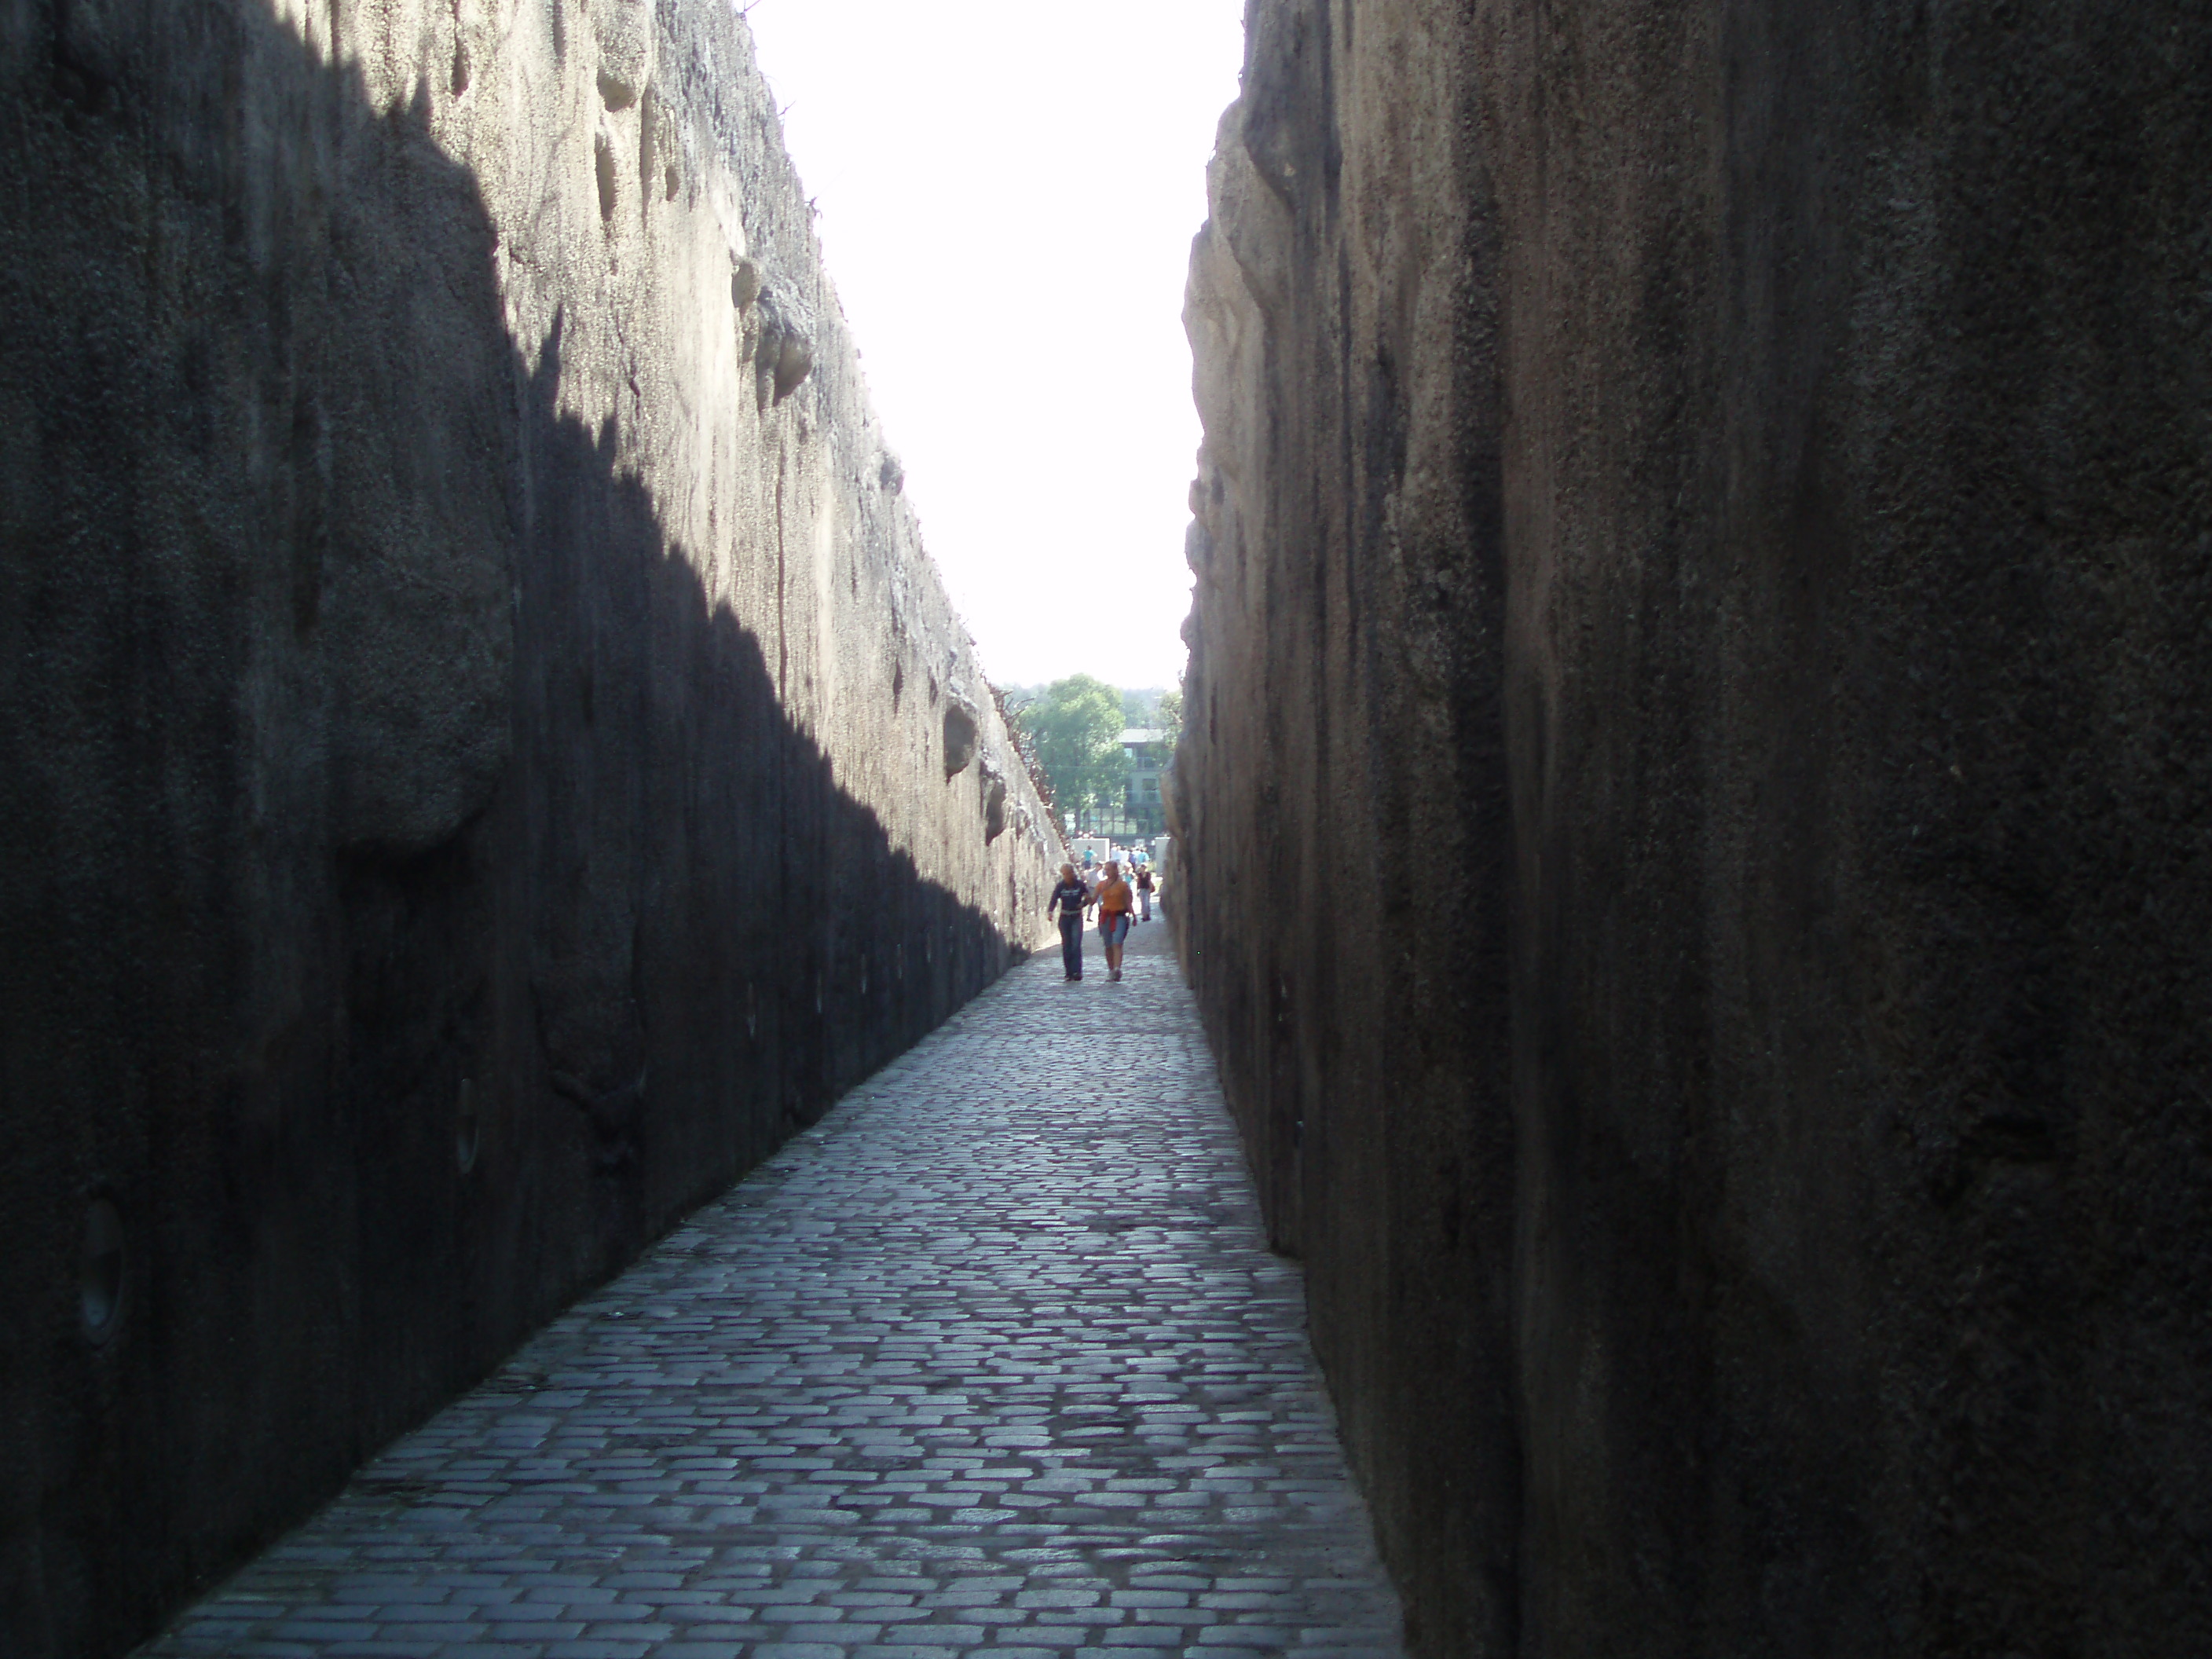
(1144, 892)
(1070, 899)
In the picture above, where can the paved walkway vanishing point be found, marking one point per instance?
(992, 1362)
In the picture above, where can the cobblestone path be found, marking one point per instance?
(992, 1362)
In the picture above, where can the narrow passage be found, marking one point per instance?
(992, 1361)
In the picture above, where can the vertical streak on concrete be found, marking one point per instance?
(1342, 791)
(782, 586)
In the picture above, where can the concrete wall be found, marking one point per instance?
(1692, 807)
(487, 757)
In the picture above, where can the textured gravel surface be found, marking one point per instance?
(992, 1362)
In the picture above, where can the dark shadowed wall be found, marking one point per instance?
(1695, 804)
(486, 756)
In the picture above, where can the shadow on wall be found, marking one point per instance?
(1704, 574)
(413, 894)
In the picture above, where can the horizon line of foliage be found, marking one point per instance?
(1073, 727)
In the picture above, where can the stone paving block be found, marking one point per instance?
(992, 1361)
(321, 1629)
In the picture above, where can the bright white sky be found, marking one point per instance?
(1007, 191)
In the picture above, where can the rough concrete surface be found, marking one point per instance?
(475, 776)
(1693, 812)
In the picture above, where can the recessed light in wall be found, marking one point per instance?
(99, 1270)
(467, 1127)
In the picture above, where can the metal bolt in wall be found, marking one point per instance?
(467, 1127)
(99, 1270)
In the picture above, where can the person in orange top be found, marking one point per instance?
(1115, 902)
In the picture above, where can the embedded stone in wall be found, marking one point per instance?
(963, 729)
(994, 802)
(786, 351)
(627, 41)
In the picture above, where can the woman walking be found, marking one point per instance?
(1144, 892)
(1071, 898)
(1114, 902)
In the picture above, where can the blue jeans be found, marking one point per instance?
(1071, 944)
(1115, 929)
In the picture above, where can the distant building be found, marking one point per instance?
(1150, 756)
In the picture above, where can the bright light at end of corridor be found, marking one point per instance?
(1007, 191)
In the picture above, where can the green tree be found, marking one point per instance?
(1167, 718)
(1075, 727)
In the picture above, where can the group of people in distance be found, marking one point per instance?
(1117, 901)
